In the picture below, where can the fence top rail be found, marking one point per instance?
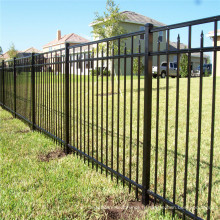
(186, 24)
(20, 58)
(108, 39)
(11, 60)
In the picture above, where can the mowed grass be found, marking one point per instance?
(108, 145)
(62, 188)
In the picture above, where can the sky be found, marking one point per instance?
(33, 23)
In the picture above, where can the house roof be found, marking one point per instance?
(5, 55)
(135, 18)
(31, 50)
(21, 53)
(68, 38)
(211, 33)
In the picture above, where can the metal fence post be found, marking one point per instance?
(3, 83)
(33, 90)
(67, 96)
(147, 113)
(14, 87)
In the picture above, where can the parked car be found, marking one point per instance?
(163, 70)
(207, 69)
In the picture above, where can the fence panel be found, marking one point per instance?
(183, 125)
(99, 99)
(106, 86)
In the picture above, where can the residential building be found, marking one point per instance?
(28, 52)
(59, 43)
(135, 22)
(23, 53)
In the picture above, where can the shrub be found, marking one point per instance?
(135, 66)
(184, 65)
(206, 73)
(98, 71)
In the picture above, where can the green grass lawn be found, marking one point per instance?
(51, 118)
(61, 188)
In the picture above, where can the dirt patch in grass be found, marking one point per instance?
(7, 119)
(57, 154)
(110, 93)
(131, 210)
(22, 131)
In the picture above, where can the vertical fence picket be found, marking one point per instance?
(33, 90)
(212, 120)
(67, 97)
(3, 83)
(14, 87)
(48, 108)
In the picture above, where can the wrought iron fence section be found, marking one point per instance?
(97, 98)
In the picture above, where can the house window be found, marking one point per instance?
(160, 36)
(50, 48)
(142, 35)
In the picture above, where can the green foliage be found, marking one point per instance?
(207, 73)
(1, 51)
(12, 52)
(98, 72)
(135, 66)
(208, 60)
(184, 65)
(108, 25)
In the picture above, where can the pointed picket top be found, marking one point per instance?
(158, 44)
(139, 46)
(178, 38)
(202, 35)
(158, 40)
(201, 39)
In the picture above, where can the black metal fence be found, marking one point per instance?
(99, 100)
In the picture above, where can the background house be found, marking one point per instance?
(23, 53)
(135, 22)
(211, 35)
(28, 52)
(59, 43)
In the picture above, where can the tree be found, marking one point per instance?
(12, 52)
(208, 60)
(107, 25)
(1, 51)
(184, 65)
